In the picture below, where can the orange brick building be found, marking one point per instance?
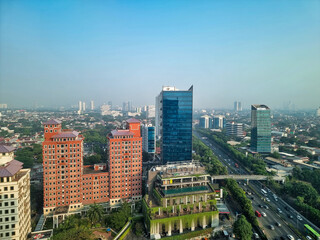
(125, 162)
(68, 183)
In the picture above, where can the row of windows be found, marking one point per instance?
(7, 219)
(62, 145)
(61, 156)
(6, 204)
(125, 142)
(6, 196)
(7, 188)
(7, 234)
(7, 226)
(7, 211)
(62, 151)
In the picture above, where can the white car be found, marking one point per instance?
(290, 237)
(299, 218)
(268, 200)
(263, 214)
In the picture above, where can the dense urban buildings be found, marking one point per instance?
(15, 214)
(69, 184)
(260, 129)
(148, 138)
(180, 198)
(174, 109)
(234, 129)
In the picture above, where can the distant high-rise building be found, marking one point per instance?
(237, 106)
(83, 106)
(148, 138)
(151, 111)
(92, 105)
(80, 108)
(15, 213)
(3, 106)
(205, 122)
(125, 106)
(218, 122)
(157, 116)
(318, 112)
(175, 114)
(260, 129)
(234, 129)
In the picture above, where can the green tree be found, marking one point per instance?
(95, 213)
(242, 228)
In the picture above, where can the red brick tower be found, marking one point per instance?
(62, 167)
(125, 163)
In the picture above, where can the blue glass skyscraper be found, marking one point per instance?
(260, 129)
(175, 110)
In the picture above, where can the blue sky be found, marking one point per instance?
(60, 52)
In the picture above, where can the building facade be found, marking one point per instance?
(237, 106)
(148, 138)
(175, 115)
(125, 162)
(205, 122)
(15, 213)
(180, 199)
(69, 185)
(218, 122)
(234, 129)
(260, 129)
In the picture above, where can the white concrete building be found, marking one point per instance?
(15, 214)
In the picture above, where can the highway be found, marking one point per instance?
(272, 215)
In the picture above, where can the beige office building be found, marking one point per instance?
(15, 215)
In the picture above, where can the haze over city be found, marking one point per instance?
(57, 53)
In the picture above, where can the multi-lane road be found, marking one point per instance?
(276, 210)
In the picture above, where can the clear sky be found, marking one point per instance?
(59, 52)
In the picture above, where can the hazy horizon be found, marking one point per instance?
(257, 52)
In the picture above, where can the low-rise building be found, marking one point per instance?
(180, 198)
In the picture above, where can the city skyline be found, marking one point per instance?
(265, 52)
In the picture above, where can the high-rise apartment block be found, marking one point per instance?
(234, 129)
(318, 112)
(175, 122)
(218, 122)
(205, 122)
(148, 138)
(92, 105)
(15, 213)
(260, 129)
(125, 162)
(62, 167)
(69, 184)
(237, 106)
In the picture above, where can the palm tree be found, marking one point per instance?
(95, 213)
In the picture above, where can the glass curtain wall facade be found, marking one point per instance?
(260, 129)
(176, 134)
(151, 140)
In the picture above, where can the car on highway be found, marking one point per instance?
(290, 216)
(255, 236)
(299, 218)
(279, 210)
(278, 224)
(268, 200)
(271, 227)
(290, 237)
(263, 214)
(260, 205)
(266, 207)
